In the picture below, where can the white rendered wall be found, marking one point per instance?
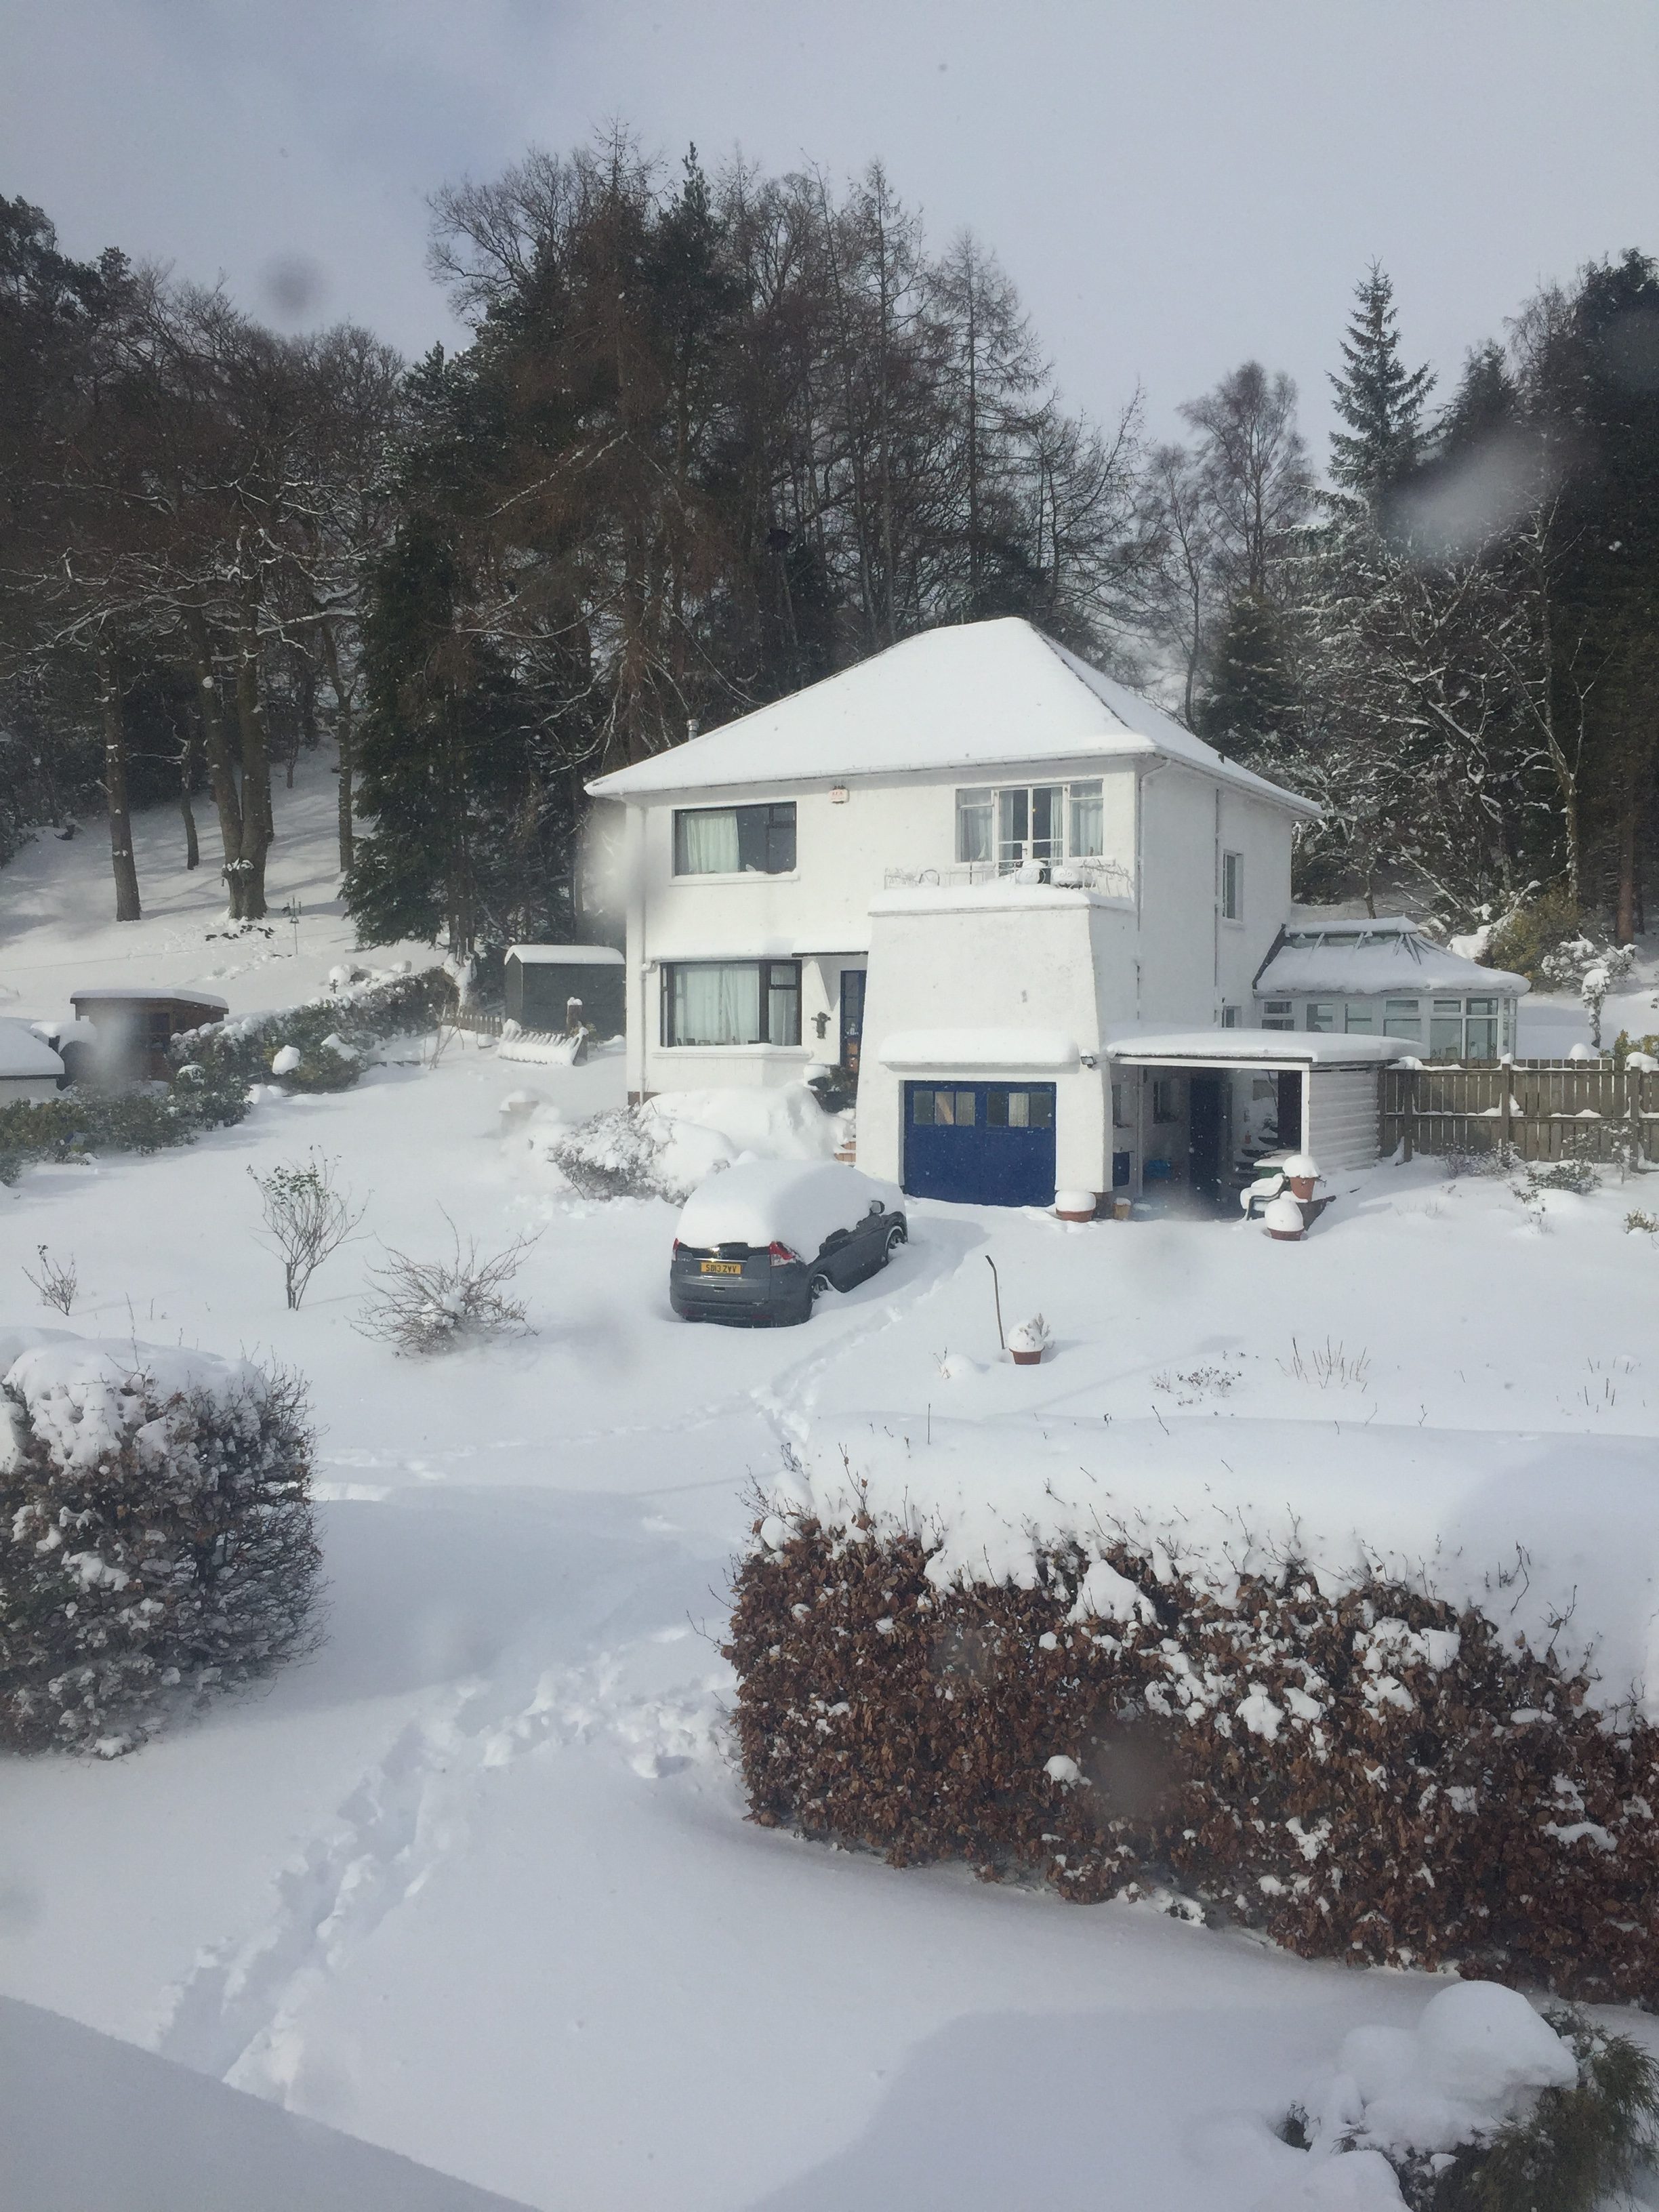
(1029, 967)
(26, 1090)
(844, 851)
(1193, 961)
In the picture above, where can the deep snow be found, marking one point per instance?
(474, 1885)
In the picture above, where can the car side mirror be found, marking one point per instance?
(876, 1207)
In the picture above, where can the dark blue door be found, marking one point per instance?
(980, 1144)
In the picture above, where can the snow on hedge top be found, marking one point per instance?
(84, 1394)
(968, 694)
(23, 1053)
(179, 994)
(763, 1202)
(1367, 958)
(1217, 1498)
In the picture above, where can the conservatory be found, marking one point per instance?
(1386, 977)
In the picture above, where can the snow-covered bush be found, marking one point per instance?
(438, 1305)
(1592, 970)
(328, 1034)
(1367, 1774)
(1032, 1335)
(1484, 2107)
(155, 1533)
(1527, 936)
(618, 1154)
(1575, 1175)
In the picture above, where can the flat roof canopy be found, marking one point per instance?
(1253, 1049)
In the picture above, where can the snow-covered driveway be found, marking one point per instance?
(475, 1883)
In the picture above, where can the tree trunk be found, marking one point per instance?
(342, 733)
(1624, 930)
(256, 770)
(187, 752)
(127, 905)
(222, 776)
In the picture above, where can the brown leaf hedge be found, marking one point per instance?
(1373, 1776)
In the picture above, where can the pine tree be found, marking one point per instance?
(1380, 399)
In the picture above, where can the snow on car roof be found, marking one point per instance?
(966, 696)
(23, 1053)
(793, 1202)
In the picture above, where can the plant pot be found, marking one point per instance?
(1074, 1205)
(1026, 1359)
(1301, 1187)
(1121, 1209)
(1285, 1236)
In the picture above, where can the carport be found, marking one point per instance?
(1188, 1105)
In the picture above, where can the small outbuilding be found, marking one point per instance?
(135, 1022)
(555, 986)
(1387, 977)
(30, 1071)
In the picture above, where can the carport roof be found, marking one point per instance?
(1252, 1048)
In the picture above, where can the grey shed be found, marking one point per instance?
(542, 979)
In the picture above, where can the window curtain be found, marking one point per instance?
(716, 1004)
(973, 826)
(1088, 823)
(709, 841)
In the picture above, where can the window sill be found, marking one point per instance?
(746, 1051)
(744, 876)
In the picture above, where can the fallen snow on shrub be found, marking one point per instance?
(155, 1536)
(676, 1140)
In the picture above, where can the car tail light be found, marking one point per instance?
(781, 1256)
(679, 1247)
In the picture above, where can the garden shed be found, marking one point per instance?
(30, 1071)
(1386, 977)
(543, 982)
(135, 1022)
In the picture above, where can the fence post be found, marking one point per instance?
(1409, 1110)
(1506, 1077)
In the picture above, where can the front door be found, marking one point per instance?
(1206, 1135)
(980, 1144)
(852, 1018)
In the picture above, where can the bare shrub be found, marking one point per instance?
(308, 1215)
(616, 1154)
(436, 1305)
(57, 1281)
(1328, 1364)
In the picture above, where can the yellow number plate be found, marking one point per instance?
(720, 1267)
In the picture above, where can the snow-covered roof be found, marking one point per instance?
(181, 995)
(971, 697)
(565, 956)
(1280, 1047)
(1370, 958)
(23, 1053)
(973, 1050)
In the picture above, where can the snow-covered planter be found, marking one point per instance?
(1028, 1340)
(1301, 1173)
(1283, 1219)
(155, 1533)
(1075, 1204)
(1365, 1771)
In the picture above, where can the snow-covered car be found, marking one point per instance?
(762, 1241)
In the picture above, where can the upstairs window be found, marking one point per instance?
(1277, 1014)
(1232, 887)
(1004, 828)
(735, 841)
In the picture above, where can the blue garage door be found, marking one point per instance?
(982, 1143)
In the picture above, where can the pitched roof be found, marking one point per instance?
(1374, 958)
(967, 696)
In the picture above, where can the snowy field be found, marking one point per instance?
(475, 1887)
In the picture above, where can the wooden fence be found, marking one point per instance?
(1547, 1109)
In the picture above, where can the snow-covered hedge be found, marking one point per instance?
(155, 1533)
(327, 1034)
(1325, 1746)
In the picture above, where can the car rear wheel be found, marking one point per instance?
(896, 1235)
(815, 1288)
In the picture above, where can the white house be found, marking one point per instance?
(1023, 906)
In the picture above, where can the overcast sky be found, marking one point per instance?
(1176, 185)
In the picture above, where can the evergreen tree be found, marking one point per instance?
(1380, 400)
